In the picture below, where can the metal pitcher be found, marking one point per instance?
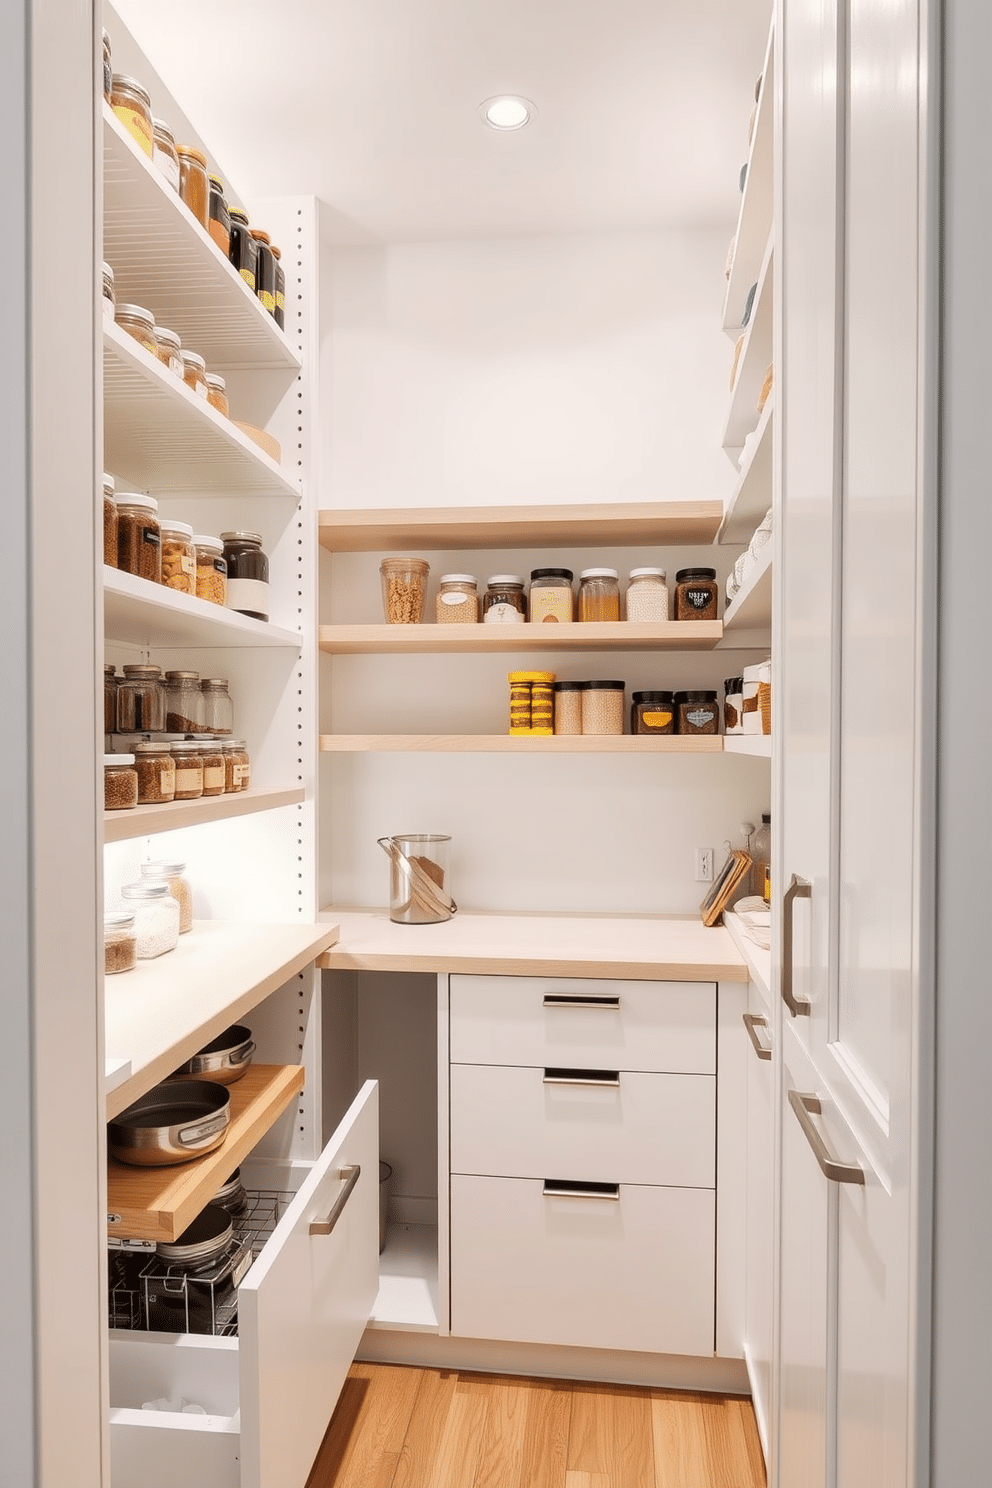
(418, 878)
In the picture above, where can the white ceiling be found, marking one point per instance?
(373, 106)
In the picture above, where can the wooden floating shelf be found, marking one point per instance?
(620, 524)
(624, 635)
(160, 1203)
(141, 613)
(520, 744)
(169, 816)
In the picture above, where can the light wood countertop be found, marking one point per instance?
(644, 947)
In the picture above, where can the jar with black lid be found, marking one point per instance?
(550, 596)
(219, 225)
(280, 310)
(697, 712)
(568, 707)
(652, 712)
(243, 251)
(695, 594)
(247, 574)
(265, 271)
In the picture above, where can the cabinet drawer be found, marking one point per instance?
(302, 1309)
(635, 1272)
(535, 1123)
(656, 1026)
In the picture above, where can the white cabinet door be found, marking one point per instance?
(759, 1210)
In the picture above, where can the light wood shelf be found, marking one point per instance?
(141, 613)
(159, 436)
(619, 524)
(160, 1203)
(519, 744)
(751, 609)
(164, 1011)
(751, 497)
(759, 745)
(163, 259)
(169, 816)
(754, 360)
(754, 221)
(387, 640)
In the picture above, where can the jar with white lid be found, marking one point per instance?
(218, 709)
(599, 595)
(164, 152)
(132, 104)
(139, 540)
(120, 942)
(178, 556)
(647, 596)
(170, 349)
(195, 373)
(171, 871)
(120, 782)
(109, 295)
(156, 917)
(211, 568)
(139, 323)
(504, 602)
(217, 394)
(457, 600)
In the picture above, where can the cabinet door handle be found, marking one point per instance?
(567, 1188)
(557, 1076)
(806, 1107)
(554, 999)
(351, 1176)
(752, 1022)
(799, 888)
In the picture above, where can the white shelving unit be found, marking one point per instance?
(753, 360)
(751, 497)
(751, 607)
(148, 614)
(172, 816)
(755, 220)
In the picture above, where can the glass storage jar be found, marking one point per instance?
(751, 700)
(760, 851)
(599, 595)
(236, 770)
(280, 310)
(219, 225)
(133, 106)
(602, 707)
(244, 250)
(171, 872)
(217, 394)
(120, 782)
(652, 712)
(218, 709)
(139, 544)
(108, 68)
(247, 574)
(140, 699)
(194, 189)
(697, 712)
(139, 323)
(109, 293)
(110, 680)
(647, 596)
(164, 152)
(550, 601)
(156, 917)
(109, 521)
(183, 702)
(457, 600)
(212, 760)
(696, 594)
(170, 350)
(733, 705)
(211, 568)
(178, 557)
(156, 773)
(568, 707)
(265, 271)
(120, 943)
(404, 585)
(504, 602)
(195, 373)
(189, 771)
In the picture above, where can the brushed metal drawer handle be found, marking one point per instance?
(799, 888)
(556, 1000)
(806, 1107)
(556, 1076)
(351, 1175)
(566, 1188)
(752, 1022)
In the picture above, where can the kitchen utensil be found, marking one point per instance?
(418, 892)
(175, 1122)
(224, 1060)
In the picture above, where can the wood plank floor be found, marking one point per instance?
(401, 1427)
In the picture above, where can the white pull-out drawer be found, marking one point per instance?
(614, 1125)
(302, 1309)
(667, 1027)
(633, 1272)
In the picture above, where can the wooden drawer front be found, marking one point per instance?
(667, 1027)
(529, 1123)
(632, 1273)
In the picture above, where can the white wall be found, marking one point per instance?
(528, 370)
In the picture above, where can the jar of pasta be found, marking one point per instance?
(194, 189)
(133, 106)
(211, 568)
(457, 600)
(139, 323)
(195, 373)
(156, 773)
(217, 394)
(178, 557)
(599, 595)
(109, 522)
(189, 771)
(139, 549)
(219, 224)
(164, 152)
(170, 351)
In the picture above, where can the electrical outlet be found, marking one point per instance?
(704, 865)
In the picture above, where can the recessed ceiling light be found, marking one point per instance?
(507, 112)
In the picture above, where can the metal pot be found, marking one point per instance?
(175, 1122)
(232, 1195)
(224, 1060)
(200, 1243)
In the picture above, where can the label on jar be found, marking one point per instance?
(455, 599)
(176, 366)
(167, 780)
(242, 775)
(151, 536)
(189, 778)
(268, 300)
(656, 718)
(189, 565)
(201, 390)
(248, 595)
(550, 606)
(213, 777)
(698, 598)
(503, 614)
(248, 277)
(700, 717)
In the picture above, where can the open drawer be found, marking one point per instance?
(302, 1309)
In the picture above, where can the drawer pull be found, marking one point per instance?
(351, 1176)
(567, 1188)
(805, 1108)
(799, 888)
(752, 1022)
(582, 1077)
(569, 1000)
